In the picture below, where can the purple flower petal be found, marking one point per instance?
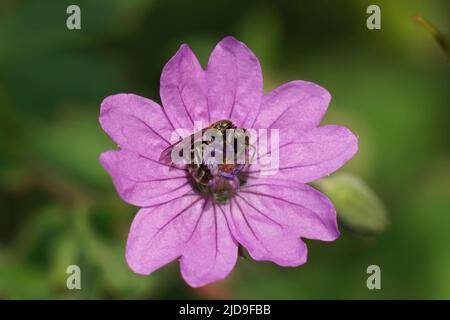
(183, 90)
(262, 237)
(142, 181)
(296, 104)
(234, 81)
(158, 234)
(211, 251)
(305, 156)
(295, 206)
(136, 123)
(269, 214)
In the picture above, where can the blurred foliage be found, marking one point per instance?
(58, 206)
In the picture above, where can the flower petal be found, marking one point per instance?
(142, 181)
(182, 90)
(307, 156)
(136, 123)
(234, 81)
(296, 104)
(158, 234)
(295, 206)
(263, 238)
(211, 252)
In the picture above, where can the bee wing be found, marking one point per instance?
(166, 154)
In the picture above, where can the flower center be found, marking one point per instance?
(218, 160)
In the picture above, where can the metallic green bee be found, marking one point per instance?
(210, 176)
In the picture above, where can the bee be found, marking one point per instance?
(206, 174)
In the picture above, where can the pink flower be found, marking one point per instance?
(181, 217)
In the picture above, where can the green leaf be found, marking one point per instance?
(357, 206)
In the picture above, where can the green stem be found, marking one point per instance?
(440, 38)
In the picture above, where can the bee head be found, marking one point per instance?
(223, 125)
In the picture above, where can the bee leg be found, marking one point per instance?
(241, 252)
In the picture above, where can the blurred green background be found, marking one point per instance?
(58, 206)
